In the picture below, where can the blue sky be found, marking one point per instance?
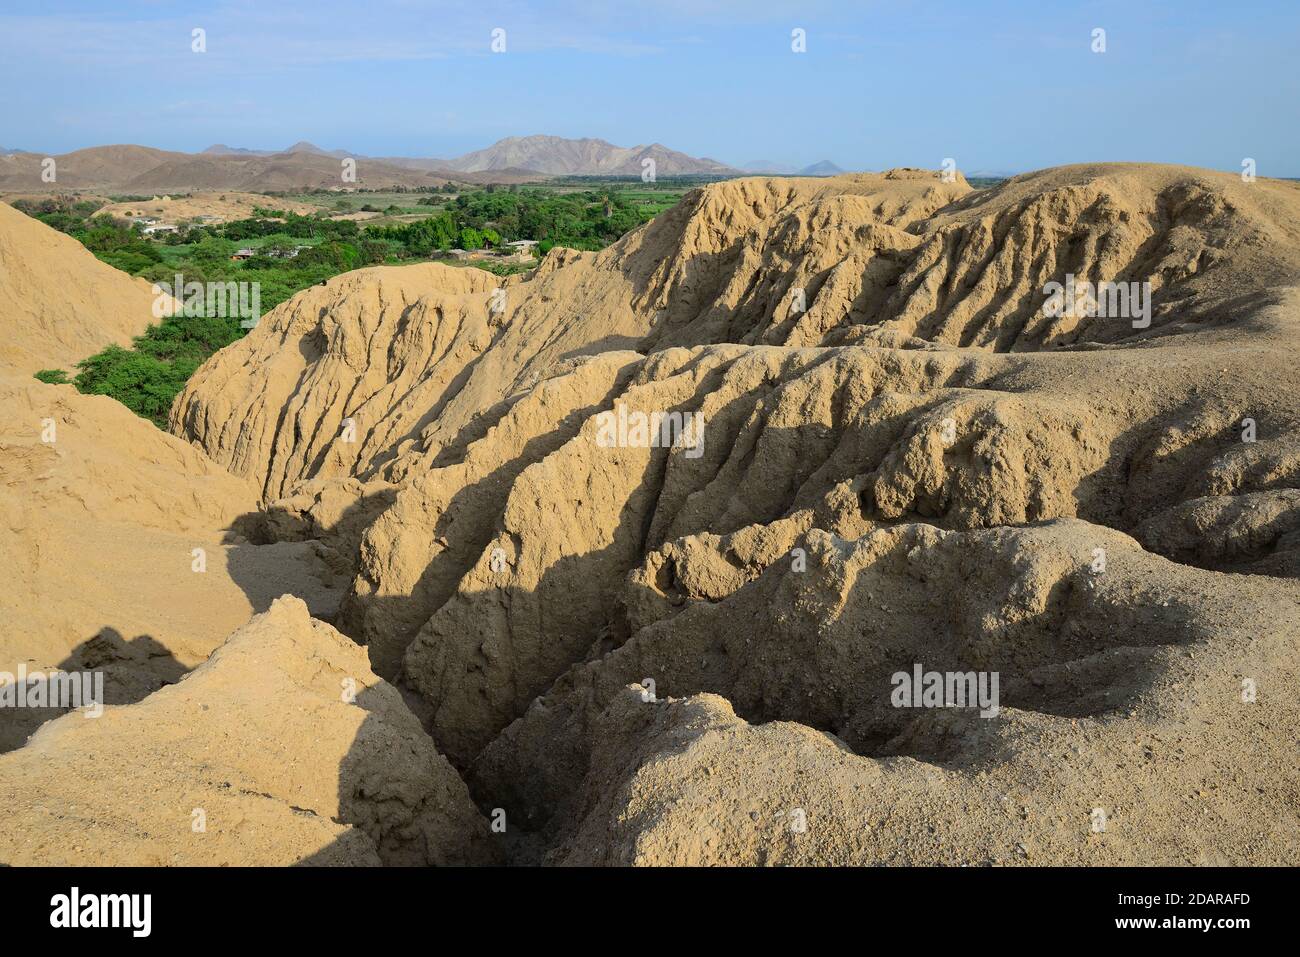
(996, 85)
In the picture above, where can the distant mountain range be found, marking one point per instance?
(515, 159)
(585, 157)
(823, 168)
(551, 155)
(143, 170)
(302, 146)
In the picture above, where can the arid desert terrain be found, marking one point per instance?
(409, 579)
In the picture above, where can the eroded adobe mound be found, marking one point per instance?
(948, 456)
(905, 460)
(126, 550)
(1116, 688)
(282, 748)
(60, 303)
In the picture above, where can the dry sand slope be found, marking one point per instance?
(917, 468)
(99, 529)
(261, 742)
(58, 303)
(222, 206)
(101, 513)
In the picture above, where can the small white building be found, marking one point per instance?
(159, 228)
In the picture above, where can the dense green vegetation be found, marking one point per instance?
(590, 219)
(290, 252)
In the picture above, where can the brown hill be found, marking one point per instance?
(584, 157)
(279, 172)
(505, 177)
(788, 749)
(140, 170)
(98, 166)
